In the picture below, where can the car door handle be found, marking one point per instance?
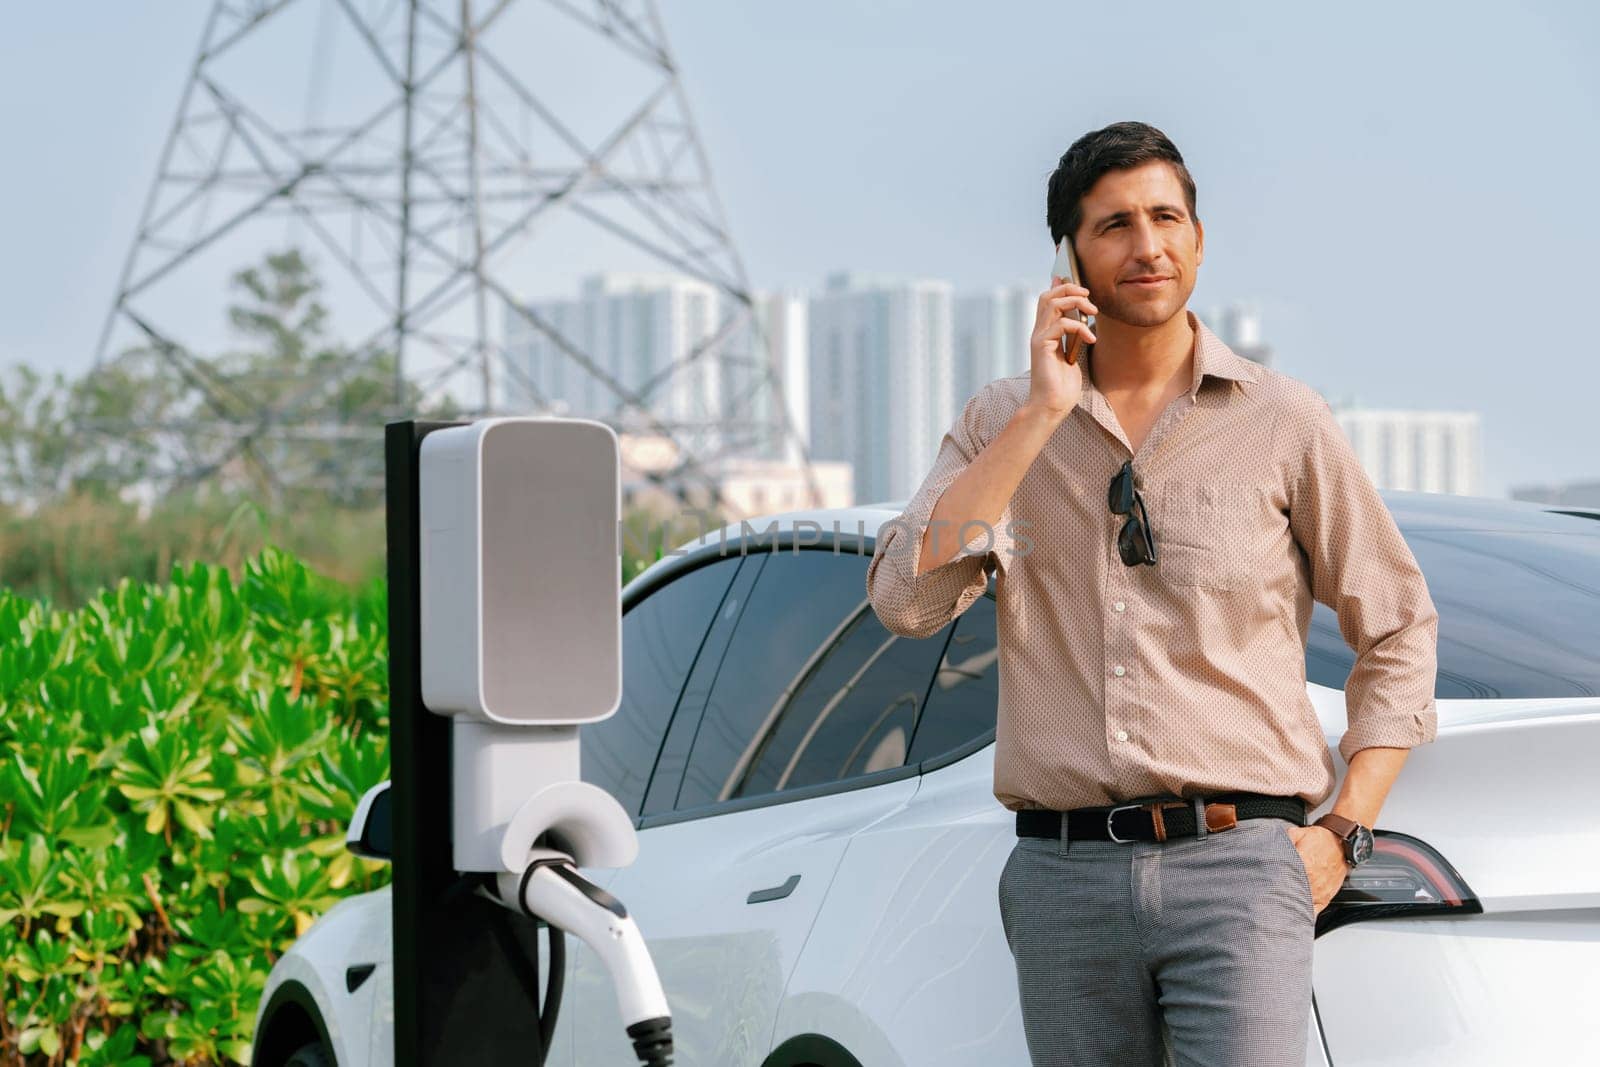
(777, 892)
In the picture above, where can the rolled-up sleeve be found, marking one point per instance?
(1362, 568)
(914, 605)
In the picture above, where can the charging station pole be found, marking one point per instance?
(497, 656)
(466, 976)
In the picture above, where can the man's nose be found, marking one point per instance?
(1147, 244)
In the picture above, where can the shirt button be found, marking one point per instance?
(1120, 606)
(1122, 735)
(1119, 670)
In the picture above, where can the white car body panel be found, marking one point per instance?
(913, 919)
(724, 962)
(354, 931)
(1509, 804)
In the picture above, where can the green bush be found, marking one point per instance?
(179, 764)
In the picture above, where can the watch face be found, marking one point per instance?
(1361, 846)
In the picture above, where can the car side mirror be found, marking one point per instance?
(371, 832)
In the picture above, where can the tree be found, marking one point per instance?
(310, 409)
(49, 444)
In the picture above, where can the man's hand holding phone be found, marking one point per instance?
(1056, 374)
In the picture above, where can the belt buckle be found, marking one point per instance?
(1112, 832)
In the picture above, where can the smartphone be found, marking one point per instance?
(1066, 266)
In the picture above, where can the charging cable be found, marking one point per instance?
(550, 888)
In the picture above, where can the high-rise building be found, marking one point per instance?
(539, 377)
(882, 390)
(636, 327)
(782, 321)
(1429, 451)
(990, 334)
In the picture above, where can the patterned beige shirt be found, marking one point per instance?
(1187, 677)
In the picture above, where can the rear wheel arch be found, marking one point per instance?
(811, 1050)
(290, 1022)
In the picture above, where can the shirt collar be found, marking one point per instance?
(1213, 356)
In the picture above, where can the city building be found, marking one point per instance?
(756, 379)
(1429, 451)
(762, 486)
(748, 486)
(636, 328)
(668, 337)
(882, 386)
(990, 336)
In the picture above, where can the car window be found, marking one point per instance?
(965, 696)
(853, 713)
(1519, 614)
(804, 602)
(662, 793)
(661, 636)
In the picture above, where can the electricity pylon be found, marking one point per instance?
(439, 143)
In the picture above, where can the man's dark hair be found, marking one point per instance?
(1120, 146)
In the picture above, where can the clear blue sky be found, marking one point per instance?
(1405, 190)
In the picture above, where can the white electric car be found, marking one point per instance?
(819, 848)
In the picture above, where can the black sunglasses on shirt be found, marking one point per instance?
(1134, 541)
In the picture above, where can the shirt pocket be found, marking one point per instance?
(1207, 536)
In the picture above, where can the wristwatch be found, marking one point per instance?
(1356, 839)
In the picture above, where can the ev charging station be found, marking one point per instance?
(505, 628)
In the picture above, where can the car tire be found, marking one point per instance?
(309, 1056)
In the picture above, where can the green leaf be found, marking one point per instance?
(91, 837)
(50, 1042)
(191, 818)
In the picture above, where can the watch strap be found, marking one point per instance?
(1344, 829)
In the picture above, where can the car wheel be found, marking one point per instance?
(309, 1056)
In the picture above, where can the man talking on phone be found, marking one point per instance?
(1160, 514)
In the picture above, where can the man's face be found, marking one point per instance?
(1138, 248)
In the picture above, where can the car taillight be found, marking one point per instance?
(1404, 877)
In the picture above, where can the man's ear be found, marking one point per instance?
(1199, 243)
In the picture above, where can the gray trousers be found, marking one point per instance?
(1194, 951)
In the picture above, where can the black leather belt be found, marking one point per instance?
(1158, 820)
